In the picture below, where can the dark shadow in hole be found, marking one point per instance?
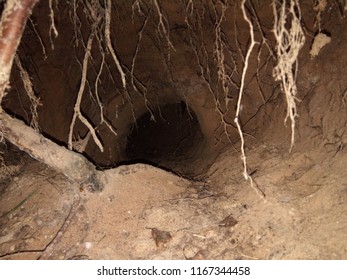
(172, 137)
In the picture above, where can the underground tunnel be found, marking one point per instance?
(166, 137)
(185, 123)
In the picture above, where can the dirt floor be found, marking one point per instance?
(296, 207)
(147, 213)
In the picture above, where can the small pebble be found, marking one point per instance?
(88, 245)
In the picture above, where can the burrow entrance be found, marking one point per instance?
(169, 137)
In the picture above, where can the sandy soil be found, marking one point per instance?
(148, 213)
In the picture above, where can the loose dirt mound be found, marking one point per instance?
(148, 213)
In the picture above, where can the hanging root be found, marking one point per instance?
(289, 40)
(52, 28)
(77, 109)
(238, 108)
(28, 86)
(100, 32)
(109, 43)
(217, 68)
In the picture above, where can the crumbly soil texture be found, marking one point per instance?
(148, 213)
(171, 158)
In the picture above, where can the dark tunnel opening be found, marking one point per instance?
(170, 138)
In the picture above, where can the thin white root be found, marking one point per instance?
(52, 28)
(238, 108)
(77, 109)
(290, 38)
(80, 143)
(28, 86)
(109, 43)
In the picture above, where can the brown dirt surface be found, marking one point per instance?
(147, 213)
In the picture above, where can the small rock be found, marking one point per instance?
(160, 237)
(229, 221)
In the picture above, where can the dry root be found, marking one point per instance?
(290, 39)
(35, 102)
